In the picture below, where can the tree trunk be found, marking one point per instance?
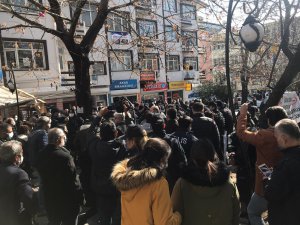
(245, 91)
(290, 72)
(82, 82)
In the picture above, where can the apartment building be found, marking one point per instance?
(146, 51)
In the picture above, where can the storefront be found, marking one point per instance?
(155, 91)
(124, 88)
(176, 90)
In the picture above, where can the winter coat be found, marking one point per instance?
(37, 141)
(202, 201)
(283, 190)
(104, 155)
(145, 198)
(171, 126)
(62, 189)
(204, 127)
(266, 148)
(186, 139)
(227, 114)
(15, 188)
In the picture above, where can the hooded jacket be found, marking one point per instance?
(145, 198)
(202, 200)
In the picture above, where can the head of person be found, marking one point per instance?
(287, 133)
(108, 131)
(44, 122)
(24, 129)
(197, 107)
(204, 156)
(57, 137)
(155, 109)
(185, 123)
(212, 106)
(11, 152)
(155, 154)
(135, 137)
(171, 114)
(71, 113)
(11, 121)
(119, 118)
(6, 131)
(158, 125)
(275, 114)
(220, 105)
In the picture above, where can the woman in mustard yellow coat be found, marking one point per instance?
(145, 198)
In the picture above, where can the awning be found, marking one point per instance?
(7, 98)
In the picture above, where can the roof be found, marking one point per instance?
(7, 98)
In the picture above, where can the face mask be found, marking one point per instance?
(71, 114)
(10, 135)
(21, 160)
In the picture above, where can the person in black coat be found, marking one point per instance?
(283, 189)
(18, 200)
(177, 159)
(204, 127)
(62, 190)
(104, 153)
(183, 134)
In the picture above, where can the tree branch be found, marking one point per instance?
(122, 6)
(286, 30)
(76, 16)
(31, 22)
(55, 8)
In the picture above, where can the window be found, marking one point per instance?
(120, 60)
(188, 12)
(190, 61)
(88, 13)
(23, 6)
(170, 5)
(98, 69)
(71, 68)
(171, 33)
(173, 63)
(117, 23)
(25, 55)
(147, 3)
(189, 39)
(147, 28)
(149, 62)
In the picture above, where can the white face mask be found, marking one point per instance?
(10, 135)
(71, 114)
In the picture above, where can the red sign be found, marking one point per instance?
(147, 76)
(159, 86)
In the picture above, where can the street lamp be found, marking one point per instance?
(252, 33)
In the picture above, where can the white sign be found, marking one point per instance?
(291, 103)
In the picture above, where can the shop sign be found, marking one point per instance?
(159, 86)
(177, 85)
(147, 76)
(123, 84)
(188, 87)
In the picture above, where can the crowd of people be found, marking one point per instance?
(156, 163)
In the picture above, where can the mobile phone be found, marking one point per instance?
(266, 171)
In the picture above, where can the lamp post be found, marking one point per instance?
(12, 86)
(252, 33)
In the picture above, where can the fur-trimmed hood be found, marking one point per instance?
(198, 176)
(126, 179)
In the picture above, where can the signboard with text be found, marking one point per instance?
(147, 76)
(123, 84)
(177, 85)
(291, 103)
(159, 86)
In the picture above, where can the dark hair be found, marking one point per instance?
(24, 129)
(289, 127)
(152, 155)
(185, 122)
(213, 105)
(172, 113)
(138, 134)
(108, 131)
(158, 125)
(275, 114)
(198, 107)
(203, 154)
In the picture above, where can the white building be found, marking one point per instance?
(148, 51)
